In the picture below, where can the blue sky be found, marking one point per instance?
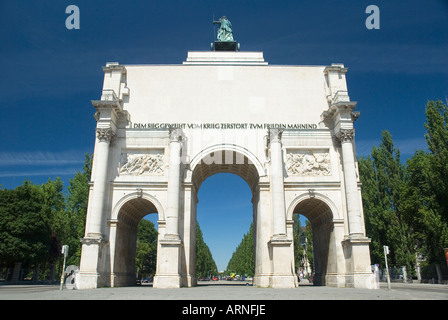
(50, 74)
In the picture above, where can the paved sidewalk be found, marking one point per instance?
(226, 291)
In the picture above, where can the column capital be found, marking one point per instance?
(344, 135)
(175, 135)
(105, 134)
(275, 135)
(340, 112)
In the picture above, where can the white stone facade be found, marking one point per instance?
(286, 130)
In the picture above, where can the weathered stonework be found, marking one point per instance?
(139, 164)
(308, 162)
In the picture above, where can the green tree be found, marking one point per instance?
(383, 177)
(309, 251)
(77, 201)
(421, 203)
(303, 243)
(205, 264)
(437, 139)
(54, 207)
(25, 229)
(146, 251)
(242, 261)
(299, 251)
(427, 192)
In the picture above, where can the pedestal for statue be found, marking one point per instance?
(226, 46)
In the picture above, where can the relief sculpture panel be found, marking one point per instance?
(308, 162)
(139, 164)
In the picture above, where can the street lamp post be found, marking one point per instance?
(65, 253)
(386, 252)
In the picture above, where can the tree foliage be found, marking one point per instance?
(384, 180)
(242, 260)
(428, 185)
(76, 209)
(303, 244)
(406, 204)
(24, 225)
(146, 251)
(205, 265)
(36, 220)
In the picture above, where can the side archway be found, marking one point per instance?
(136, 196)
(321, 213)
(126, 216)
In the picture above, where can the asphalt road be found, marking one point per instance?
(210, 290)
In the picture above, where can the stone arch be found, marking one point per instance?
(126, 215)
(310, 196)
(228, 158)
(138, 195)
(212, 160)
(321, 213)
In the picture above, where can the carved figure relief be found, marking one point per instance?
(308, 163)
(138, 164)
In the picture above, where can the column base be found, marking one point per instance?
(335, 280)
(261, 281)
(283, 274)
(189, 281)
(283, 282)
(167, 281)
(87, 280)
(92, 264)
(362, 281)
(357, 255)
(168, 264)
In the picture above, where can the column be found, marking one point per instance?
(282, 257)
(346, 136)
(172, 210)
(168, 253)
(91, 266)
(277, 188)
(101, 182)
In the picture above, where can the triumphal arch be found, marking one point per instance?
(286, 130)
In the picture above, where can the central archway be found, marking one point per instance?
(225, 216)
(221, 159)
(226, 159)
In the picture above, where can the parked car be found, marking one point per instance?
(146, 280)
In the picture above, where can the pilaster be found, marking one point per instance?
(279, 245)
(356, 224)
(172, 208)
(340, 116)
(168, 262)
(91, 273)
(277, 184)
(94, 271)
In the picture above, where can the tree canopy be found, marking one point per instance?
(205, 264)
(242, 260)
(406, 203)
